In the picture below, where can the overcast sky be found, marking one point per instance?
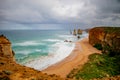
(58, 14)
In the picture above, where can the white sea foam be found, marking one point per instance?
(65, 36)
(26, 52)
(85, 34)
(38, 50)
(52, 40)
(68, 37)
(28, 43)
(63, 50)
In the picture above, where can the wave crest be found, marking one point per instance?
(28, 43)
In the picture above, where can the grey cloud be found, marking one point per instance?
(106, 6)
(81, 12)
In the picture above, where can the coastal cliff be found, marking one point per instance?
(106, 39)
(10, 70)
(5, 48)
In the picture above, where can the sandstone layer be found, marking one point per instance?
(108, 38)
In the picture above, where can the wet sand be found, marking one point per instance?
(78, 56)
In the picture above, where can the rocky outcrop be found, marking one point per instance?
(108, 38)
(5, 48)
(79, 31)
(75, 32)
(10, 70)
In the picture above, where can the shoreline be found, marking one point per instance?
(51, 58)
(78, 56)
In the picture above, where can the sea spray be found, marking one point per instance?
(59, 52)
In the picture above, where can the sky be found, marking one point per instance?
(58, 14)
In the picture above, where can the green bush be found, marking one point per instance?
(98, 46)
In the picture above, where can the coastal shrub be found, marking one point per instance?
(99, 66)
(112, 29)
(7, 72)
(110, 51)
(4, 78)
(98, 46)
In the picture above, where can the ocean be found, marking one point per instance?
(41, 48)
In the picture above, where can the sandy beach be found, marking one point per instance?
(78, 56)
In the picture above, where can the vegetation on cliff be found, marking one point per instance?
(112, 30)
(98, 66)
(106, 38)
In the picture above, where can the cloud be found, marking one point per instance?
(81, 12)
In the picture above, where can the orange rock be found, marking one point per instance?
(5, 47)
(108, 37)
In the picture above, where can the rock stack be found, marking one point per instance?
(79, 31)
(74, 32)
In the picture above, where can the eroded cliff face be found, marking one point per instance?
(10, 70)
(5, 48)
(107, 37)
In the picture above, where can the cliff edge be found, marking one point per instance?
(5, 48)
(106, 39)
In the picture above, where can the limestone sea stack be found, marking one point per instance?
(75, 32)
(79, 31)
